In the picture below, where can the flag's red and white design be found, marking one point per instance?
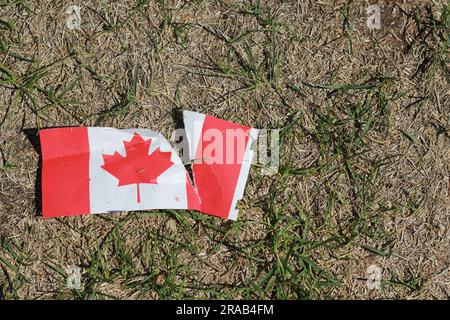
(98, 170)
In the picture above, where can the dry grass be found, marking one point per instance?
(364, 176)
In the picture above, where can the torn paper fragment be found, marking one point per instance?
(221, 159)
(99, 170)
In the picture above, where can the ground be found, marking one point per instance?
(364, 120)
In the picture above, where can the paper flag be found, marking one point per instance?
(88, 170)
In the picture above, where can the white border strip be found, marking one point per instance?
(243, 174)
(193, 125)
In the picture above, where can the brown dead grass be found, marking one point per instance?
(170, 48)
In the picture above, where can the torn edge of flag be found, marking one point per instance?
(90, 170)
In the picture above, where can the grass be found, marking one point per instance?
(364, 147)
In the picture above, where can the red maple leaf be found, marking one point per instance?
(137, 166)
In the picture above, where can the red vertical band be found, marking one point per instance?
(65, 172)
(217, 173)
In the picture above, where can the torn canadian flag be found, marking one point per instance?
(87, 170)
